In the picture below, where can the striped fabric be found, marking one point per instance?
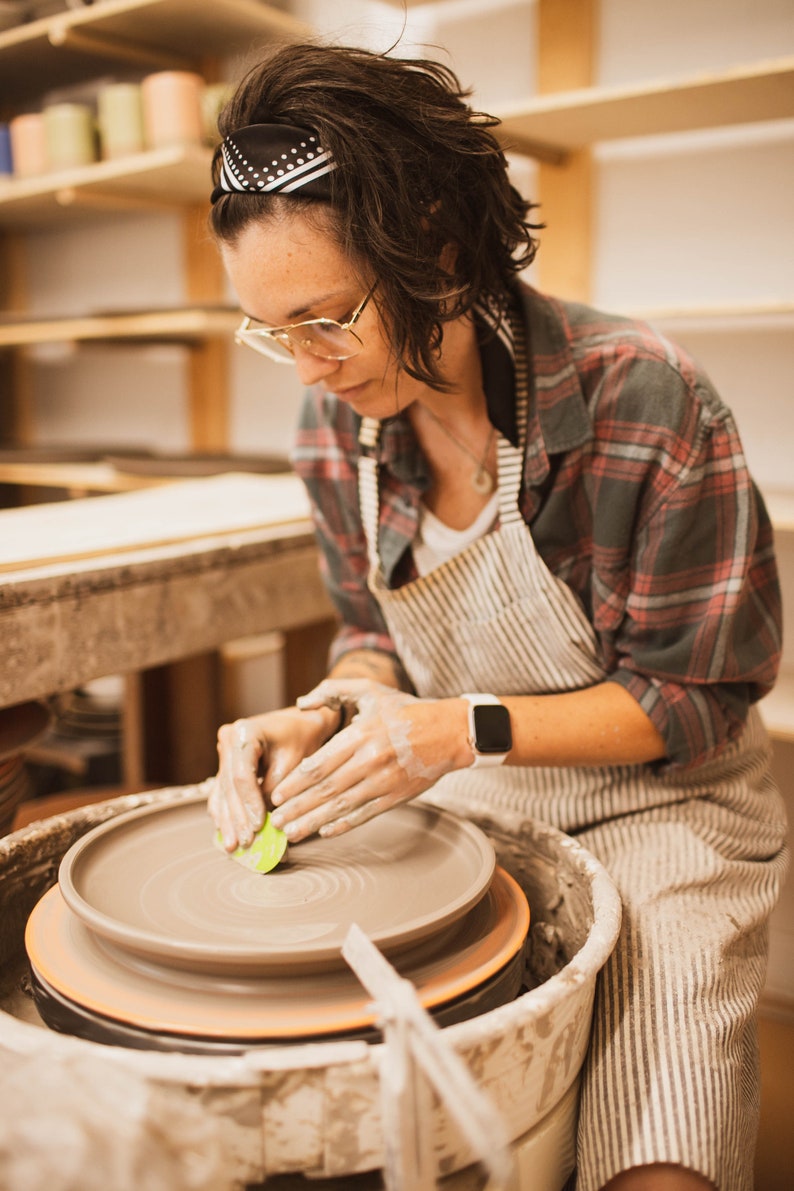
(671, 1074)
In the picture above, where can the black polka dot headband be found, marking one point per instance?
(273, 158)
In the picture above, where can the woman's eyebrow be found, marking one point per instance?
(315, 302)
(301, 310)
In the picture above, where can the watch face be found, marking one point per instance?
(492, 728)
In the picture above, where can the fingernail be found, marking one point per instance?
(277, 822)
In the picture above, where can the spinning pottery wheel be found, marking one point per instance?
(154, 938)
(283, 1108)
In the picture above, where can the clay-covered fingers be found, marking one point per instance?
(255, 756)
(236, 803)
(299, 801)
(356, 768)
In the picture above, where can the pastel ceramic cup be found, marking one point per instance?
(28, 145)
(172, 108)
(120, 120)
(71, 135)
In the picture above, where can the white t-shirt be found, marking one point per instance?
(436, 542)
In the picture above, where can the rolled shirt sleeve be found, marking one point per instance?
(684, 584)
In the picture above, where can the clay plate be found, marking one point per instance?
(85, 970)
(153, 883)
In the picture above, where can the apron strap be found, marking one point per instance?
(511, 459)
(369, 501)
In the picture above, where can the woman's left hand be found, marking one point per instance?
(395, 747)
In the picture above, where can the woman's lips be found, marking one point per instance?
(351, 392)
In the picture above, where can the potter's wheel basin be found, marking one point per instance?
(287, 1111)
(153, 926)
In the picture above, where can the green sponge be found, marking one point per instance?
(263, 854)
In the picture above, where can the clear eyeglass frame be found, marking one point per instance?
(322, 337)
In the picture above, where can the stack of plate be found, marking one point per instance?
(155, 938)
(14, 788)
(20, 726)
(91, 712)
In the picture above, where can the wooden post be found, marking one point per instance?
(208, 369)
(566, 41)
(16, 399)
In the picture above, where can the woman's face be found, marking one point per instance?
(291, 268)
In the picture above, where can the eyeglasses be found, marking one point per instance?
(323, 337)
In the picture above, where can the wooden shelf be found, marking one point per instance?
(719, 317)
(157, 326)
(158, 179)
(78, 44)
(74, 477)
(552, 126)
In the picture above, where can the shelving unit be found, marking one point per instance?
(550, 127)
(559, 127)
(214, 38)
(161, 34)
(82, 44)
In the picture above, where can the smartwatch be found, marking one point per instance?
(490, 736)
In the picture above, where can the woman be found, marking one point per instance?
(555, 577)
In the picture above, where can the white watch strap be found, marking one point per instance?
(481, 760)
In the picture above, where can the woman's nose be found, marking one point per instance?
(312, 369)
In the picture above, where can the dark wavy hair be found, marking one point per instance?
(418, 171)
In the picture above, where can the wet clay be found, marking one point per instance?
(154, 884)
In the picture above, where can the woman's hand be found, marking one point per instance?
(255, 755)
(395, 747)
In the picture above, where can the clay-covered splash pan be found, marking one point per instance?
(153, 884)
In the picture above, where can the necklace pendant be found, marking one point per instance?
(482, 481)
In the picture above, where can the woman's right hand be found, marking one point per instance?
(254, 755)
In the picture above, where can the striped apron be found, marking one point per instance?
(671, 1073)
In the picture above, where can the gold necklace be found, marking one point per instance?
(481, 479)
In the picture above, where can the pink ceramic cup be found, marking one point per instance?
(172, 108)
(29, 145)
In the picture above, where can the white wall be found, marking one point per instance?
(703, 217)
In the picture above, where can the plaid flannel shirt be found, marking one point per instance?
(638, 497)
